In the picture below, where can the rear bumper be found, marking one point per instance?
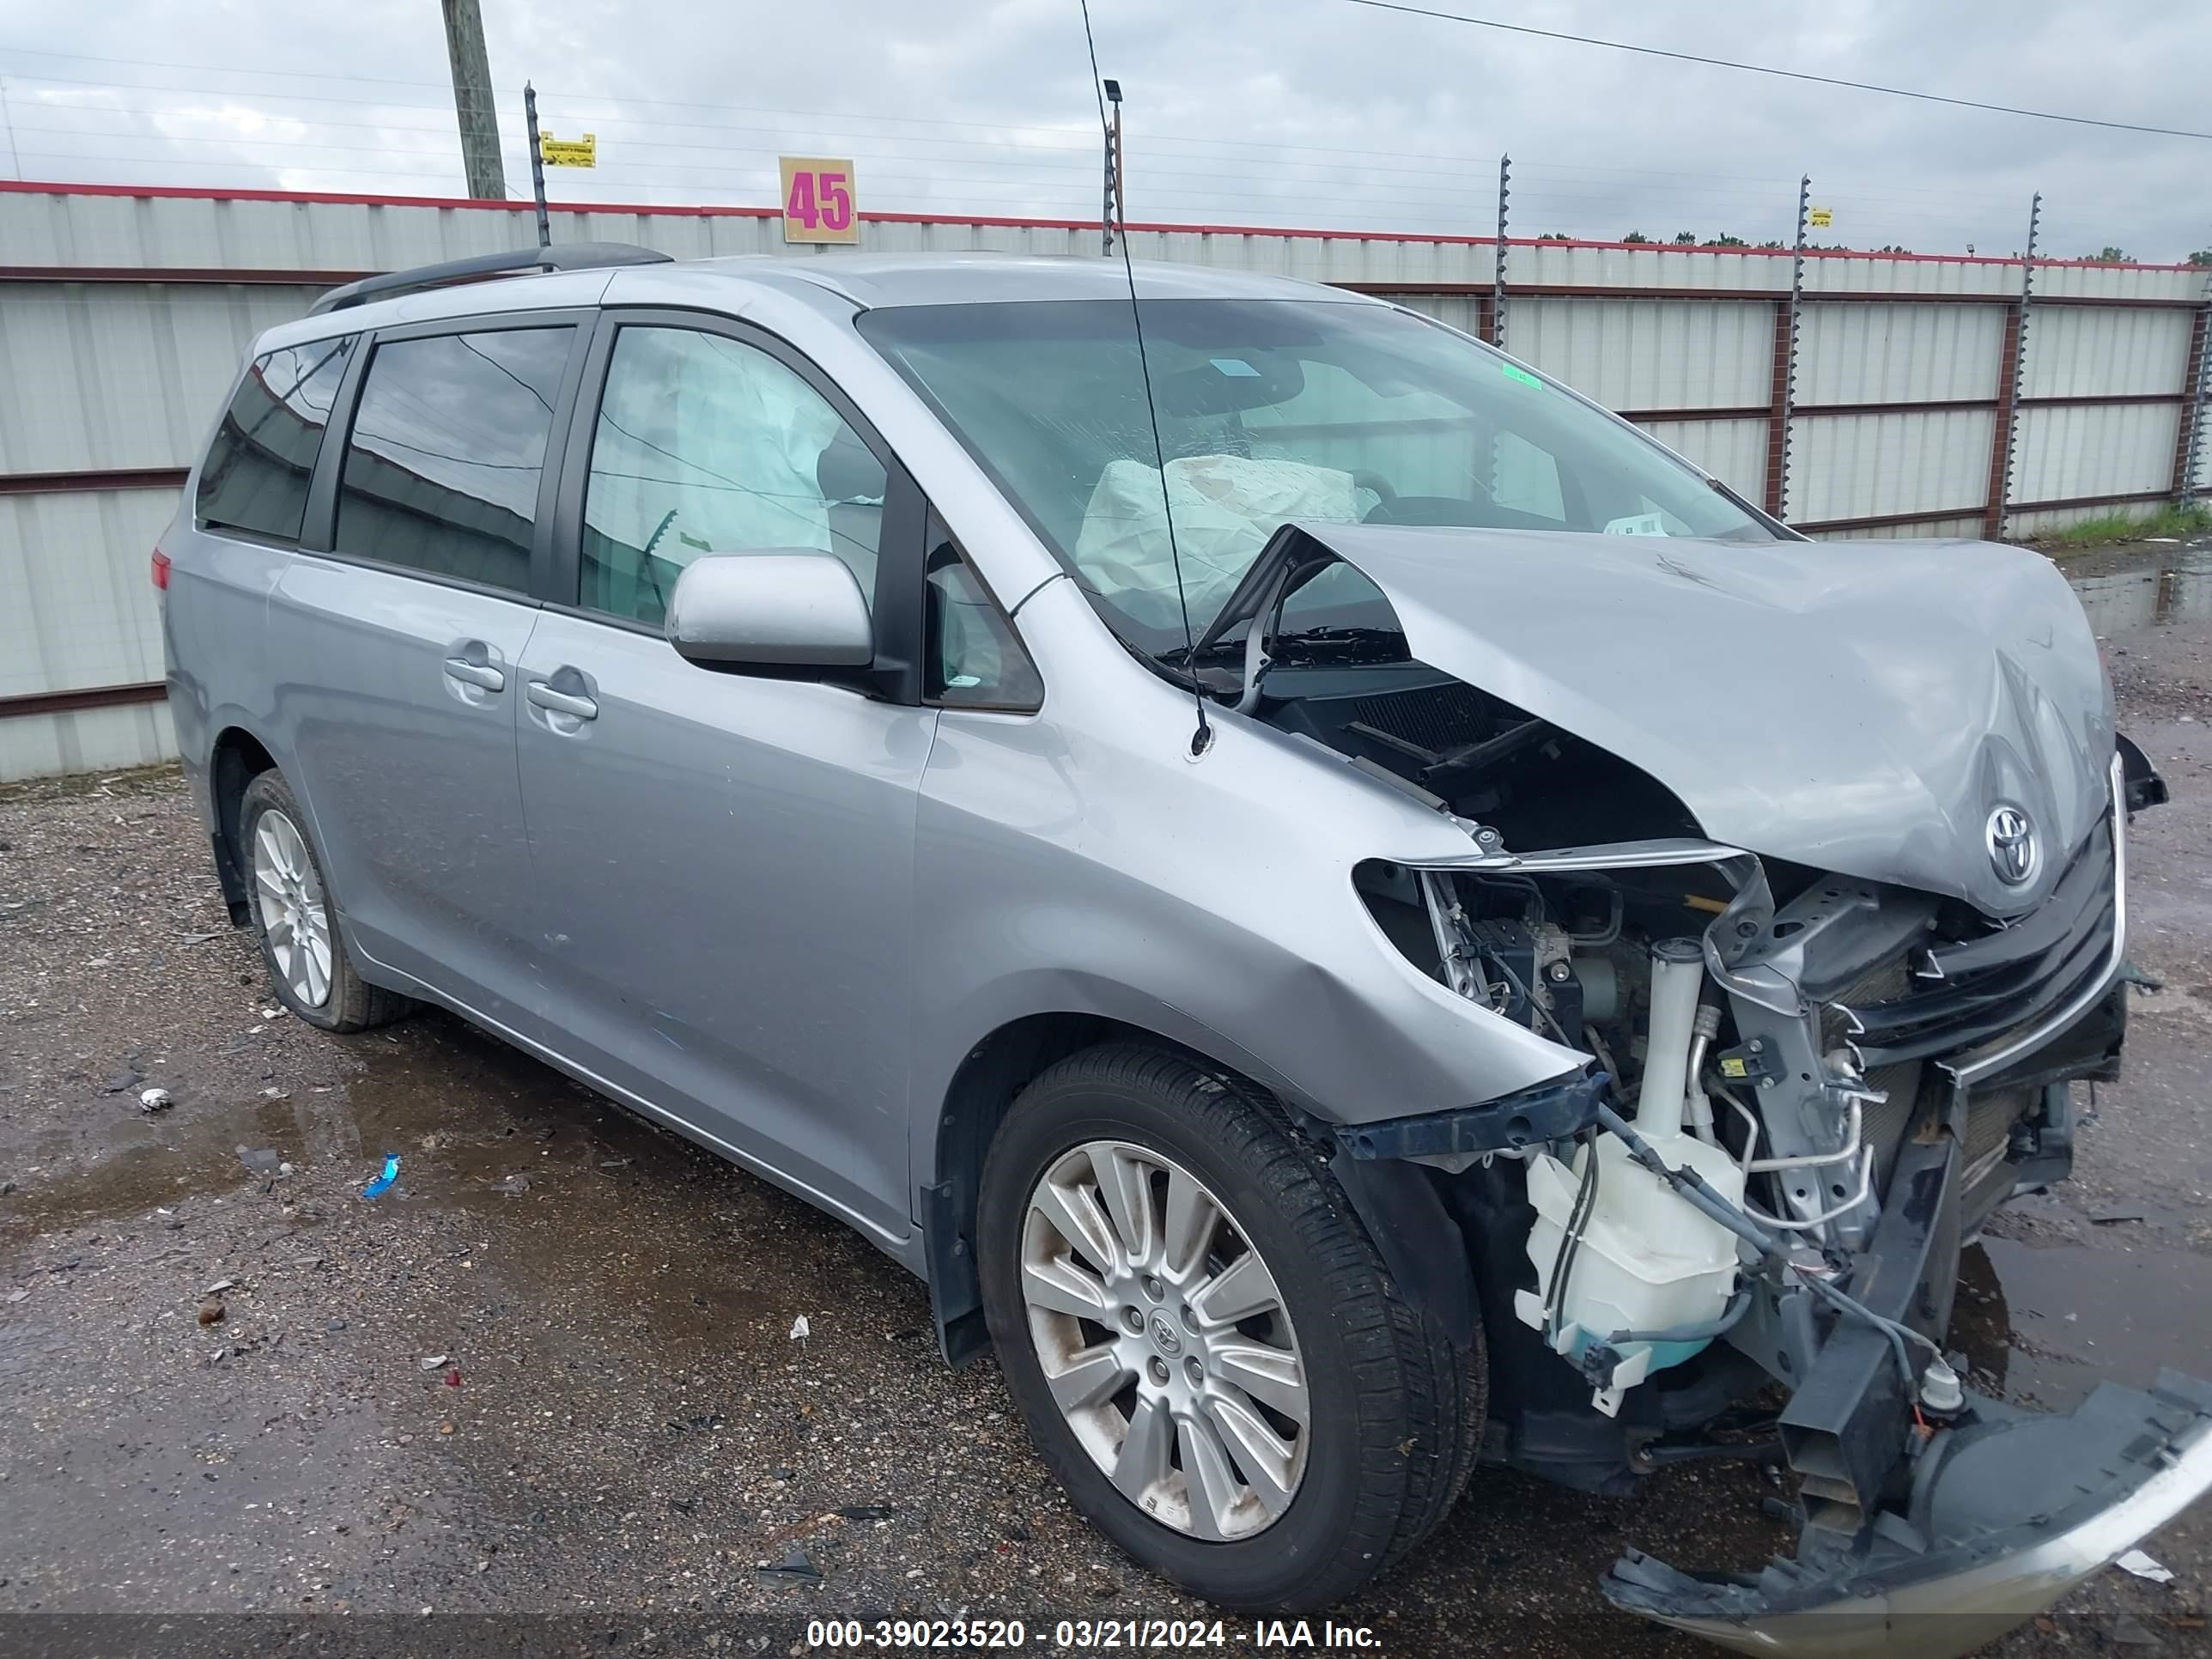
(2007, 1513)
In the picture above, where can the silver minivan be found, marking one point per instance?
(1351, 913)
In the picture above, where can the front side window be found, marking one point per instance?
(256, 474)
(447, 448)
(1268, 411)
(707, 445)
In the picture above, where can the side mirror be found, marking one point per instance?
(781, 609)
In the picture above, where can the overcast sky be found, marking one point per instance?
(1312, 113)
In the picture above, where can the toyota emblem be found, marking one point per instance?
(2010, 838)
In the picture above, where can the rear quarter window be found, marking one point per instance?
(255, 476)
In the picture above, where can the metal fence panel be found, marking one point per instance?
(99, 376)
(77, 594)
(2073, 450)
(1847, 466)
(1734, 451)
(1878, 353)
(2077, 351)
(1650, 354)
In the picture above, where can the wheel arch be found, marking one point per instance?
(236, 759)
(974, 1101)
(1397, 1203)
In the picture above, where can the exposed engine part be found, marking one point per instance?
(1631, 1276)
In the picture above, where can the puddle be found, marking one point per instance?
(2044, 1324)
(472, 1120)
(2132, 588)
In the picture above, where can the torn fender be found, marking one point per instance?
(2007, 1513)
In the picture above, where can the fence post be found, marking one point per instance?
(1782, 390)
(2010, 366)
(536, 164)
(2189, 446)
(1497, 276)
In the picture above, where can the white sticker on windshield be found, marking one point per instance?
(1636, 524)
(1235, 368)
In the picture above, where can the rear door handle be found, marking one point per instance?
(474, 673)
(561, 702)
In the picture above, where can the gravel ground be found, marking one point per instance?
(552, 1373)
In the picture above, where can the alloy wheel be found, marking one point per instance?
(1164, 1340)
(295, 917)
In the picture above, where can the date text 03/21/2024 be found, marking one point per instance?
(1079, 1635)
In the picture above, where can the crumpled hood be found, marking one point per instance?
(1859, 706)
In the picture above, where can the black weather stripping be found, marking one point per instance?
(562, 255)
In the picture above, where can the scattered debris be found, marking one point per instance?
(263, 1160)
(453, 1378)
(2114, 1217)
(867, 1511)
(155, 1100)
(220, 1286)
(431, 1361)
(274, 1013)
(514, 1186)
(211, 1312)
(614, 1164)
(2143, 1566)
(794, 1566)
(382, 1184)
(2128, 1631)
(799, 1329)
(274, 1093)
(128, 1077)
(17, 1295)
(198, 938)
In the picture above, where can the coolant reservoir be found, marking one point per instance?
(1648, 1260)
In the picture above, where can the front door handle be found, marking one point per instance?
(561, 702)
(474, 673)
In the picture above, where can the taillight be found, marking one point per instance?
(160, 570)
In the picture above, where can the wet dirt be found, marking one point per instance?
(619, 1425)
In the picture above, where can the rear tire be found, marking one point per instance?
(1380, 1412)
(295, 920)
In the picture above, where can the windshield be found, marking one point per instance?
(1269, 411)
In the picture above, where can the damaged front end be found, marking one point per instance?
(1784, 1203)
(1805, 1090)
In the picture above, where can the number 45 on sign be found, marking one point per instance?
(817, 200)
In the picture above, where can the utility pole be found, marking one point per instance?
(1116, 205)
(472, 100)
(8, 120)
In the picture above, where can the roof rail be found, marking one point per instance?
(562, 255)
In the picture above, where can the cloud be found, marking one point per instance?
(1304, 111)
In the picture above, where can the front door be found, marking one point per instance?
(396, 654)
(724, 861)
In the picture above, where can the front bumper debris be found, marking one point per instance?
(2008, 1512)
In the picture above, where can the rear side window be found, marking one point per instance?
(448, 442)
(255, 476)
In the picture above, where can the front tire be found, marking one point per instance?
(295, 920)
(1204, 1342)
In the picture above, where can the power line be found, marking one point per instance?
(1764, 69)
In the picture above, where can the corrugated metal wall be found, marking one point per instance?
(124, 312)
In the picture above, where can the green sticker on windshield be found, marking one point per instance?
(1522, 375)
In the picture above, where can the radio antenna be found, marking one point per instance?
(1202, 739)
